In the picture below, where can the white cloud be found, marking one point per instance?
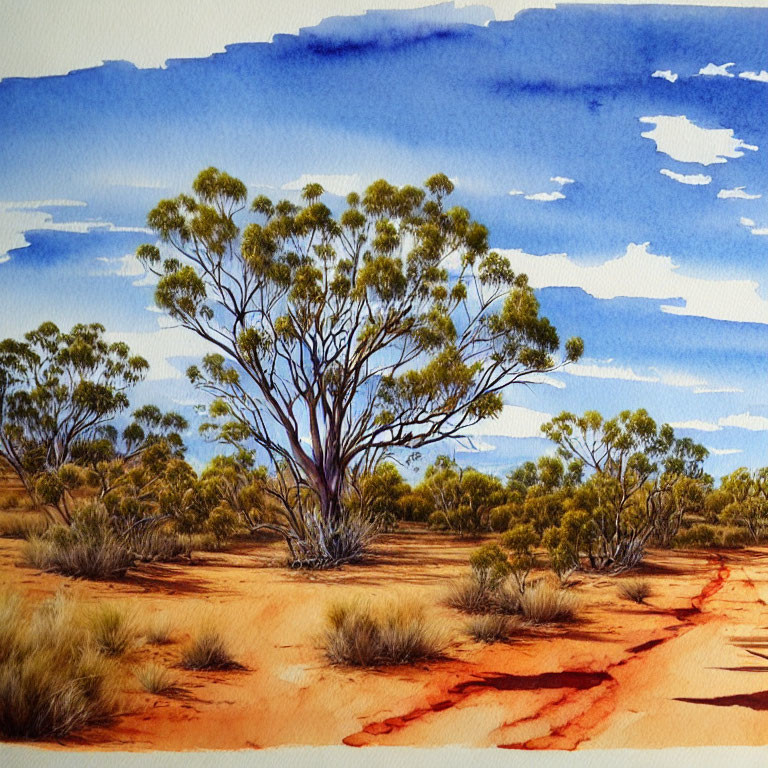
(697, 424)
(667, 74)
(717, 70)
(546, 197)
(724, 451)
(542, 378)
(758, 77)
(760, 231)
(682, 140)
(715, 390)
(336, 184)
(594, 371)
(514, 421)
(745, 421)
(158, 347)
(679, 379)
(737, 193)
(123, 266)
(472, 445)
(18, 218)
(562, 180)
(516, 192)
(745, 222)
(696, 179)
(640, 274)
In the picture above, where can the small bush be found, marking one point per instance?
(699, 536)
(88, 548)
(52, 679)
(735, 538)
(208, 651)
(201, 542)
(22, 525)
(492, 628)
(113, 630)
(506, 599)
(469, 595)
(636, 590)
(153, 545)
(159, 633)
(543, 604)
(156, 679)
(366, 635)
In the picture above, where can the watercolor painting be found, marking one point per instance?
(383, 375)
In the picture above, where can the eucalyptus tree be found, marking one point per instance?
(611, 518)
(58, 391)
(336, 339)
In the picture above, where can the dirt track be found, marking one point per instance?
(669, 673)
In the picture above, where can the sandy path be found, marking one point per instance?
(625, 676)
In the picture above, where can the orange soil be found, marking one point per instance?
(668, 673)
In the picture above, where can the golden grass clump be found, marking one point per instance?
(469, 595)
(155, 678)
(493, 628)
(208, 650)
(113, 630)
(541, 603)
(361, 633)
(53, 679)
(159, 632)
(636, 590)
(22, 525)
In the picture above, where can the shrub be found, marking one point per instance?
(363, 634)
(22, 525)
(637, 590)
(544, 604)
(159, 633)
(88, 548)
(490, 566)
(154, 678)
(520, 540)
(492, 628)
(469, 596)
(506, 600)
(208, 651)
(699, 536)
(113, 630)
(52, 679)
(156, 545)
(500, 517)
(735, 538)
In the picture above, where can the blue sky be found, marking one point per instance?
(618, 155)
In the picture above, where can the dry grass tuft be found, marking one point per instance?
(636, 590)
(360, 633)
(113, 630)
(492, 628)
(154, 678)
(208, 650)
(22, 525)
(53, 680)
(542, 603)
(469, 595)
(159, 633)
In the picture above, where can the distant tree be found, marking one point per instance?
(748, 493)
(380, 493)
(341, 339)
(59, 391)
(613, 514)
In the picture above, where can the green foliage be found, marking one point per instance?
(699, 536)
(748, 500)
(636, 467)
(381, 494)
(365, 634)
(490, 565)
(520, 541)
(358, 327)
(57, 391)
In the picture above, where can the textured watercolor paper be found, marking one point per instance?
(616, 154)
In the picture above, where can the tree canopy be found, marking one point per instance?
(342, 337)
